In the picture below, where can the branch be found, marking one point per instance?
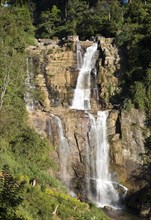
(54, 212)
(4, 88)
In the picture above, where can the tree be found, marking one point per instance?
(11, 194)
(49, 20)
(76, 11)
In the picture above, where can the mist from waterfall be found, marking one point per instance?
(99, 176)
(81, 100)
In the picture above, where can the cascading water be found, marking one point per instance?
(81, 100)
(95, 89)
(100, 187)
(79, 55)
(29, 86)
(106, 194)
(100, 177)
(63, 151)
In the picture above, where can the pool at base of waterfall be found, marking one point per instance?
(122, 214)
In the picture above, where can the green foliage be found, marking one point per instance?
(18, 24)
(76, 12)
(127, 105)
(70, 46)
(27, 191)
(21, 148)
(21, 200)
(41, 205)
(134, 38)
(147, 82)
(83, 18)
(49, 21)
(11, 194)
(139, 94)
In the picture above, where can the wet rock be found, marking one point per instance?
(145, 210)
(140, 202)
(108, 208)
(127, 132)
(45, 41)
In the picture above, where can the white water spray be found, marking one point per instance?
(100, 177)
(81, 100)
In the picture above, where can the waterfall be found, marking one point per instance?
(100, 177)
(79, 55)
(101, 189)
(81, 100)
(95, 89)
(63, 151)
(29, 86)
(84, 162)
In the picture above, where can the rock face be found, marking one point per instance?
(55, 65)
(109, 70)
(56, 76)
(127, 133)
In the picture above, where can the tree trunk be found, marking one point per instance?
(4, 88)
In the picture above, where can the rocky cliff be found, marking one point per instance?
(56, 74)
